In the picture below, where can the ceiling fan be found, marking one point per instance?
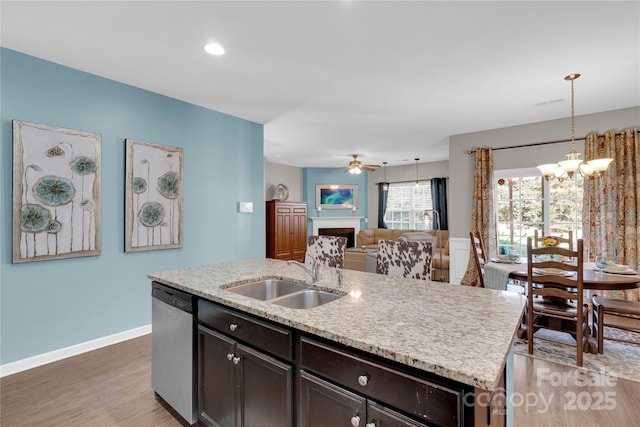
(355, 166)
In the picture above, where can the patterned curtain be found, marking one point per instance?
(482, 213)
(611, 205)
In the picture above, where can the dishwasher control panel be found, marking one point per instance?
(173, 297)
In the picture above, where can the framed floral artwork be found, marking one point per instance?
(153, 199)
(56, 192)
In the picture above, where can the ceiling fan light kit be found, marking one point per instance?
(355, 166)
(566, 168)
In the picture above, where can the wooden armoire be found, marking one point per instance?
(286, 230)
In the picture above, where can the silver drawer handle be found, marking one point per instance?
(229, 356)
(363, 380)
(236, 360)
(355, 421)
(233, 327)
(370, 425)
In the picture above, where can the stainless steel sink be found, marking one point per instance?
(267, 289)
(284, 293)
(308, 298)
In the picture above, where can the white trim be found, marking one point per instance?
(458, 258)
(336, 222)
(73, 350)
(516, 173)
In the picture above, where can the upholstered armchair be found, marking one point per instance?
(328, 251)
(398, 258)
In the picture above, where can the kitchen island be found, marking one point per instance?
(460, 334)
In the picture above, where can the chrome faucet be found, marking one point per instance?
(313, 272)
(339, 273)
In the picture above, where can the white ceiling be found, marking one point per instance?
(388, 80)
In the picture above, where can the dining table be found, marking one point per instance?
(498, 273)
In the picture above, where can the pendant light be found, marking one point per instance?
(417, 182)
(573, 158)
(385, 184)
(566, 168)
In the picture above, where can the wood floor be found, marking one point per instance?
(561, 396)
(112, 387)
(106, 387)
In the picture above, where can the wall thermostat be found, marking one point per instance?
(245, 207)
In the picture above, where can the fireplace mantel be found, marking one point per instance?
(336, 222)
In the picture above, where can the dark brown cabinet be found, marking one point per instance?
(238, 385)
(381, 416)
(324, 404)
(286, 230)
(217, 379)
(248, 371)
(266, 387)
(433, 402)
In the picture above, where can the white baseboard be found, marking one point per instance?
(74, 350)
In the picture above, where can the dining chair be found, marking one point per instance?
(328, 251)
(614, 313)
(561, 240)
(479, 255)
(411, 259)
(560, 286)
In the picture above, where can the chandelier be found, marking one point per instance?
(566, 168)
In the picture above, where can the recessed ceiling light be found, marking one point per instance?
(214, 49)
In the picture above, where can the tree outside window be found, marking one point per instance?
(526, 202)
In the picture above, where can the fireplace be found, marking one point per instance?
(330, 223)
(340, 232)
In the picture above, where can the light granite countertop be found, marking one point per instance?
(458, 332)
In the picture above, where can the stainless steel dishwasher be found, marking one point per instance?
(173, 345)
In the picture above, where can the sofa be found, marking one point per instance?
(370, 237)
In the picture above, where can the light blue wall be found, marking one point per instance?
(313, 176)
(53, 304)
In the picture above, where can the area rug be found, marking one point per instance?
(619, 359)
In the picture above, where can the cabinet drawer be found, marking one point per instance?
(427, 400)
(381, 416)
(264, 336)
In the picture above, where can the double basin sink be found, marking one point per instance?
(285, 293)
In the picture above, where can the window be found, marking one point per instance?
(406, 204)
(526, 202)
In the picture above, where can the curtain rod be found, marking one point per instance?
(535, 144)
(413, 181)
